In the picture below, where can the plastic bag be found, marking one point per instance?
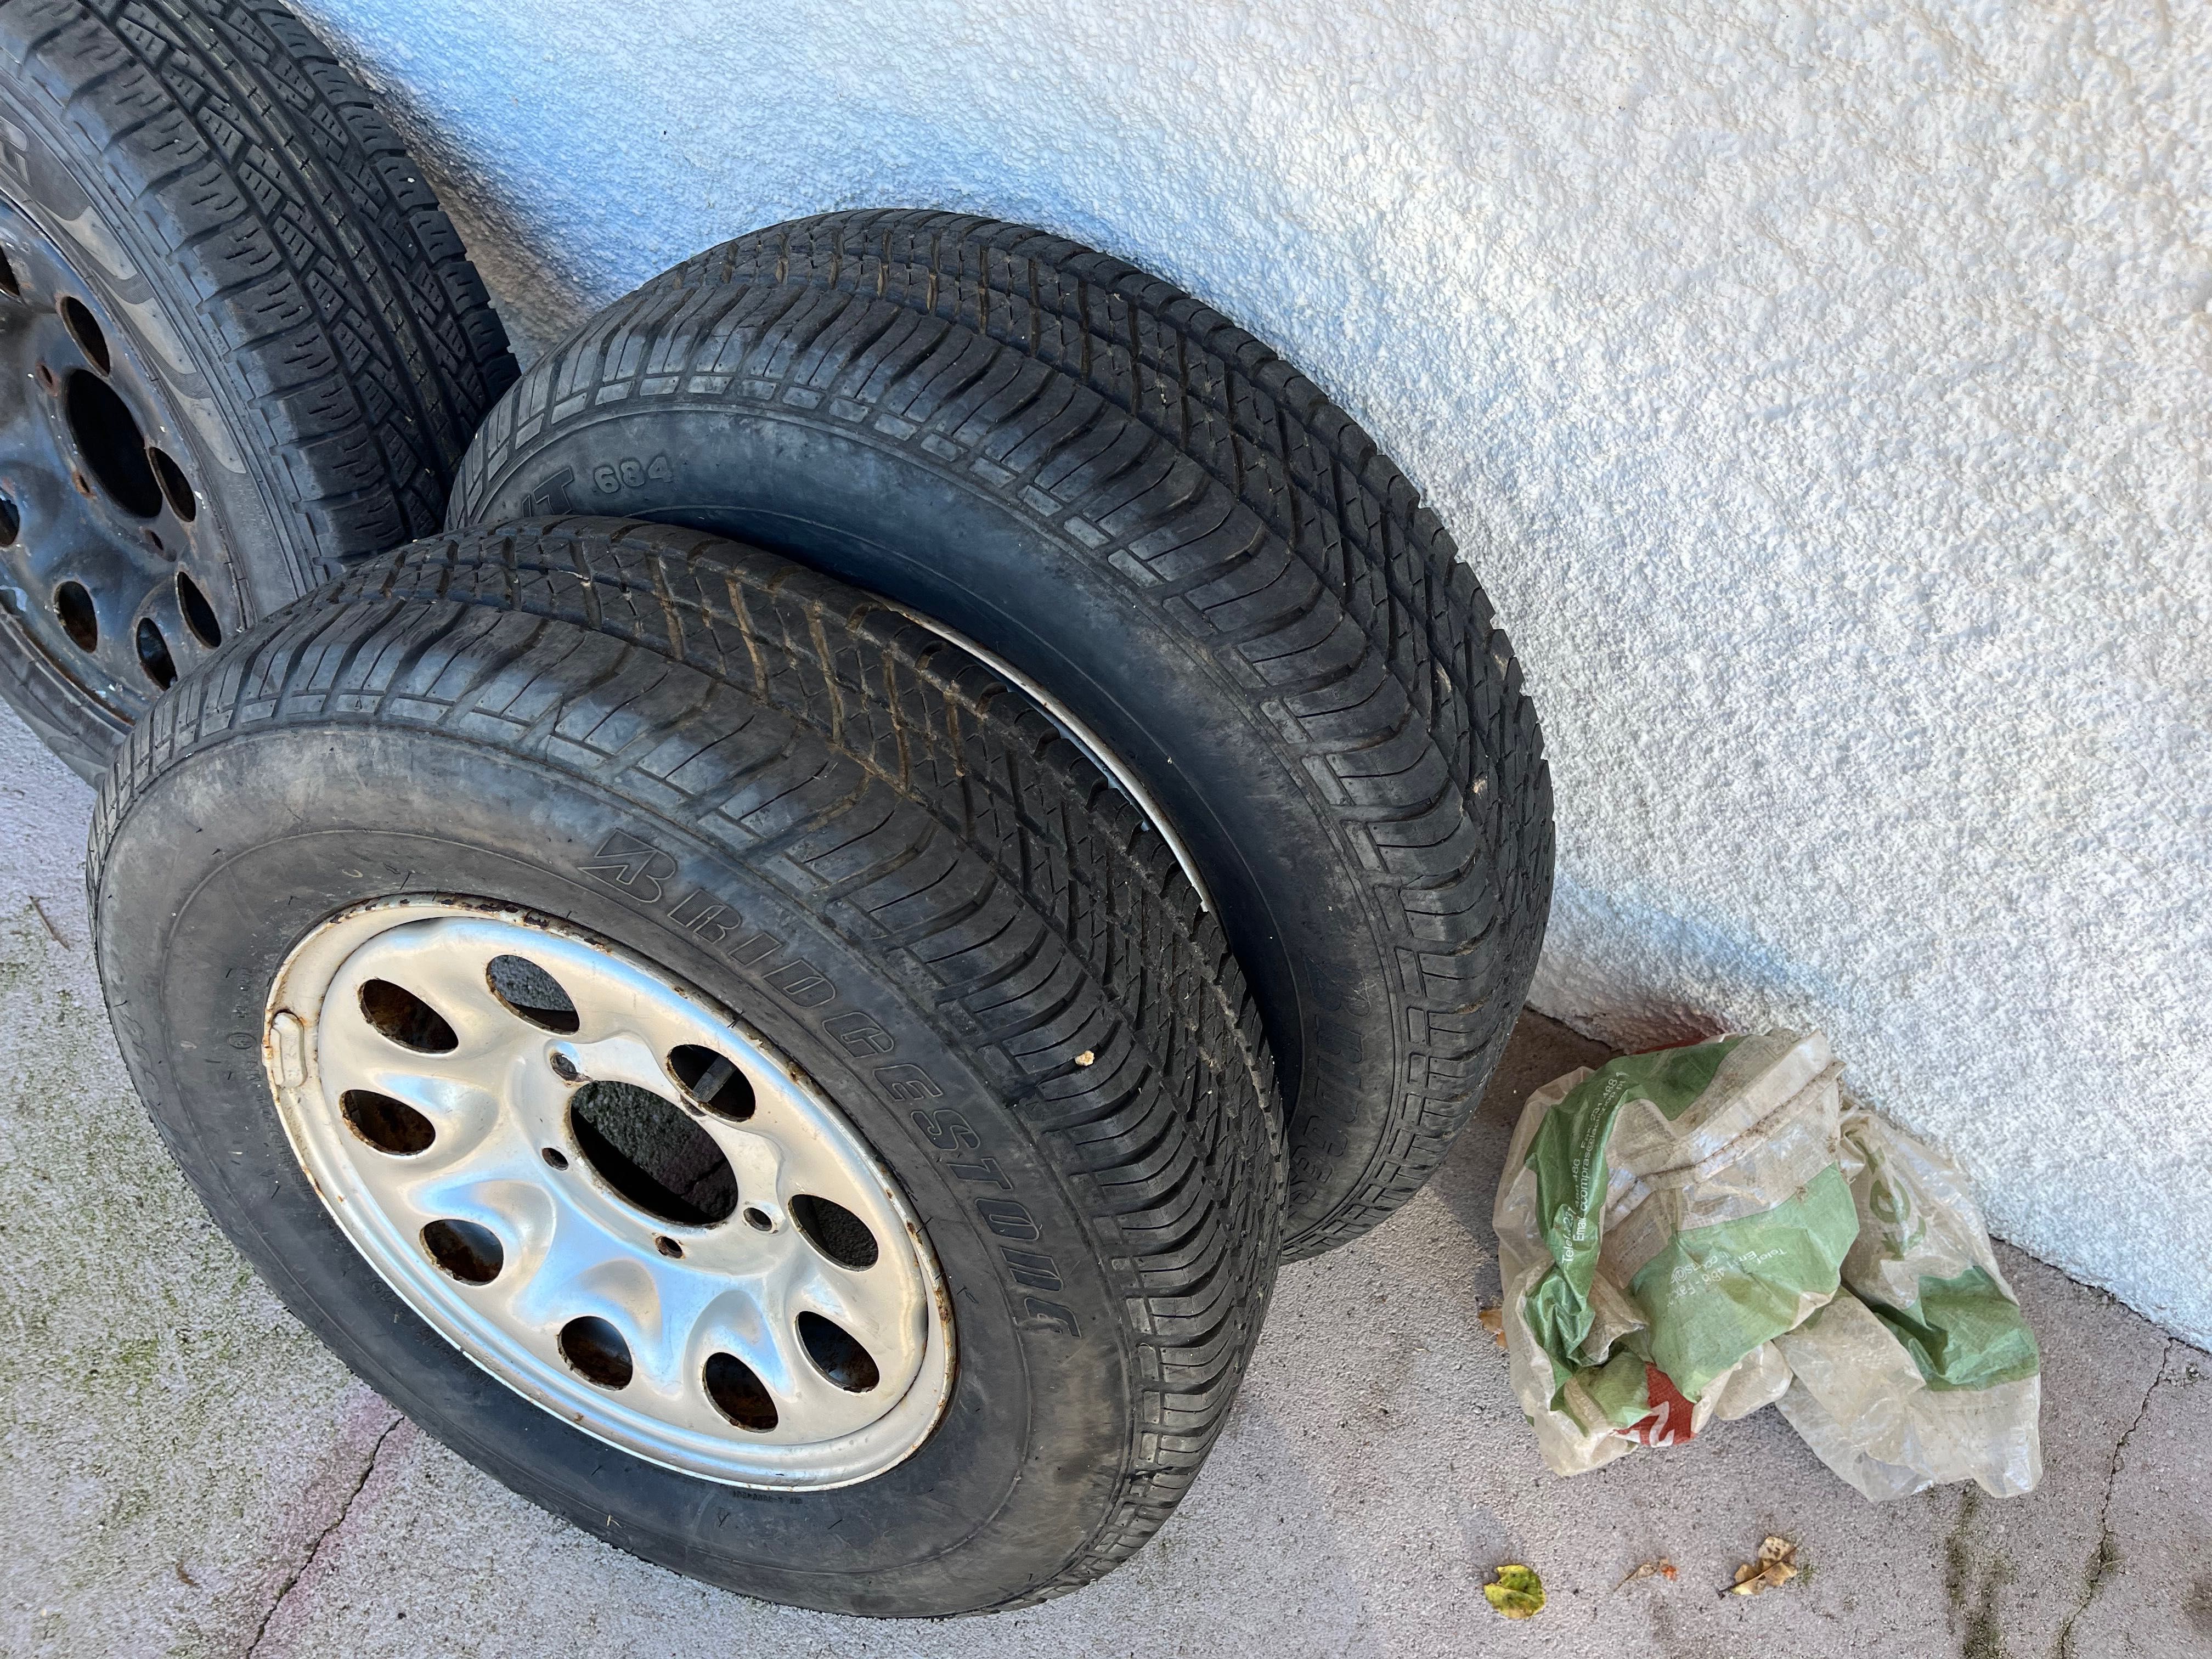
(1690, 1235)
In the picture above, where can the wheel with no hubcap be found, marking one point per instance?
(713, 1052)
(238, 344)
(609, 1193)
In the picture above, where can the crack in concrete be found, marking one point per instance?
(315, 1550)
(2106, 1558)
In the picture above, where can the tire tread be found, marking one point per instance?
(927, 809)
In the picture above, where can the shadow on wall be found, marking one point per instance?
(1759, 984)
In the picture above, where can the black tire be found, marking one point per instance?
(480, 715)
(1145, 511)
(282, 308)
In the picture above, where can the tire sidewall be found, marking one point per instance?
(1021, 1469)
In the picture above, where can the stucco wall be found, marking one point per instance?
(1821, 394)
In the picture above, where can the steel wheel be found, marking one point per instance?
(110, 562)
(610, 1194)
(239, 345)
(572, 1193)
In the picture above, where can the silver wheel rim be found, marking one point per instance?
(737, 1326)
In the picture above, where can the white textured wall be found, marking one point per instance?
(1822, 394)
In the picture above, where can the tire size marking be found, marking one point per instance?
(612, 478)
(647, 876)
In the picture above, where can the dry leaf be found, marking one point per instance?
(1518, 1593)
(1493, 1320)
(1660, 1569)
(1777, 1564)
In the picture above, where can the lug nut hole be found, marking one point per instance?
(668, 1247)
(555, 1157)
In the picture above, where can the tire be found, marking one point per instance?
(929, 899)
(277, 354)
(1136, 506)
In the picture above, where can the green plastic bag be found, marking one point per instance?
(1690, 1235)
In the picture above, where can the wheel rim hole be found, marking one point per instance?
(73, 607)
(108, 440)
(405, 1018)
(11, 521)
(176, 488)
(84, 328)
(834, 1231)
(668, 1247)
(531, 993)
(759, 1219)
(47, 383)
(738, 1393)
(390, 1126)
(199, 614)
(651, 1152)
(465, 1251)
(555, 1158)
(154, 654)
(10, 284)
(713, 1081)
(836, 1355)
(596, 1352)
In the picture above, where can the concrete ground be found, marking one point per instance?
(184, 1471)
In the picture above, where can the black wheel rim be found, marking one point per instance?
(112, 565)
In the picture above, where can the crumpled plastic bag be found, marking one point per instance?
(1690, 1235)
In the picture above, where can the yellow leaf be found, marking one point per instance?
(1777, 1564)
(1518, 1593)
(1493, 1320)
